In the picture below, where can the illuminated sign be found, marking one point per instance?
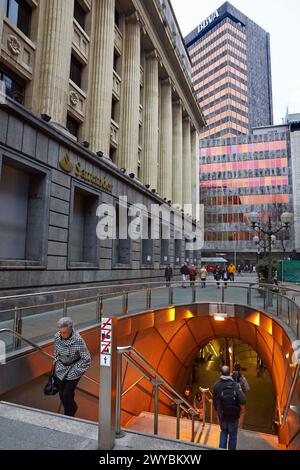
(208, 21)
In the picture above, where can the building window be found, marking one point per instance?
(147, 242)
(79, 14)
(14, 87)
(23, 213)
(83, 238)
(72, 126)
(122, 246)
(164, 244)
(76, 71)
(178, 248)
(19, 13)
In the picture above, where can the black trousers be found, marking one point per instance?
(66, 389)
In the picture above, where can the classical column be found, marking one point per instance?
(166, 142)
(177, 153)
(195, 169)
(55, 59)
(151, 116)
(102, 60)
(187, 164)
(129, 141)
(1, 20)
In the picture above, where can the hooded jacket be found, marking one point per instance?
(71, 357)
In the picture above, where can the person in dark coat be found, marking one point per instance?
(71, 361)
(228, 398)
(184, 271)
(168, 274)
(193, 274)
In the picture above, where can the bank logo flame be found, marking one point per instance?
(66, 164)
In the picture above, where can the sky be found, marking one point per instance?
(279, 18)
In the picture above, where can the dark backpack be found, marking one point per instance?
(229, 403)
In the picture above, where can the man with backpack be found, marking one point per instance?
(228, 398)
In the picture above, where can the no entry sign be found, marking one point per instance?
(105, 348)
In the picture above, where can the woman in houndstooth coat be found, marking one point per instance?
(71, 361)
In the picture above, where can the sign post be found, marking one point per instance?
(107, 387)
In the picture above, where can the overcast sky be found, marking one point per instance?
(281, 18)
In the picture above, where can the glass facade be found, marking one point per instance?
(220, 77)
(250, 174)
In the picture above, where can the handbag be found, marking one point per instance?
(51, 387)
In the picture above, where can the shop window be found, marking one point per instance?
(83, 239)
(23, 213)
(19, 13)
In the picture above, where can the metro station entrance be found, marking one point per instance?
(261, 399)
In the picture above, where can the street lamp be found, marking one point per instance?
(269, 234)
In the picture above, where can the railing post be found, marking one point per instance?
(119, 394)
(17, 327)
(125, 303)
(204, 407)
(297, 323)
(156, 390)
(289, 313)
(211, 412)
(178, 403)
(65, 308)
(148, 300)
(99, 308)
(170, 295)
(194, 294)
(249, 296)
(223, 292)
(193, 425)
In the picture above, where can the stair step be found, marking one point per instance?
(208, 435)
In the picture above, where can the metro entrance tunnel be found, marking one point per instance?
(169, 339)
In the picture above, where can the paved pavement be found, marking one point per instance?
(23, 428)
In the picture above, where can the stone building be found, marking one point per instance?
(99, 103)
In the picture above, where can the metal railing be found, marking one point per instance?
(91, 303)
(291, 394)
(160, 384)
(38, 348)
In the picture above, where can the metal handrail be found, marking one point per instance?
(98, 288)
(158, 381)
(291, 393)
(36, 346)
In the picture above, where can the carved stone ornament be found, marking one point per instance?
(14, 45)
(74, 98)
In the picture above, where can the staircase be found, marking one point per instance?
(208, 435)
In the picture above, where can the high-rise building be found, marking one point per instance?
(231, 73)
(242, 175)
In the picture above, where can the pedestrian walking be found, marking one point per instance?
(184, 271)
(193, 275)
(168, 274)
(231, 271)
(203, 276)
(71, 361)
(228, 398)
(198, 405)
(218, 275)
(240, 379)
